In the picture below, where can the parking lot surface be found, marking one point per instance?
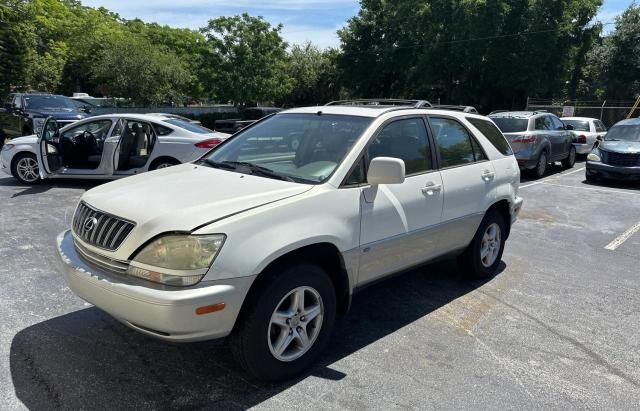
(558, 327)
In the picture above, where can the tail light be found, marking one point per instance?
(525, 139)
(210, 143)
(581, 139)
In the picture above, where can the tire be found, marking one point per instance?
(163, 163)
(570, 161)
(541, 164)
(476, 263)
(24, 168)
(254, 341)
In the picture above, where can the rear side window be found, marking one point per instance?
(491, 132)
(457, 147)
(543, 123)
(162, 130)
(599, 126)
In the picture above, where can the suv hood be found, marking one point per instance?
(184, 197)
(59, 114)
(620, 146)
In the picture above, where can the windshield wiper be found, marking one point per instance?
(254, 168)
(215, 164)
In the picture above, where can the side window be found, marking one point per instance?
(456, 145)
(600, 127)
(17, 102)
(98, 129)
(493, 134)
(541, 124)
(405, 139)
(117, 129)
(357, 175)
(162, 130)
(556, 123)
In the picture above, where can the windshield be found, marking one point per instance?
(194, 128)
(578, 125)
(627, 133)
(301, 147)
(49, 102)
(511, 124)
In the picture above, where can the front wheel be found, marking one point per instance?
(570, 161)
(287, 324)
(482, 257)
(25, 168)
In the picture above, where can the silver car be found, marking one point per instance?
(537, 139)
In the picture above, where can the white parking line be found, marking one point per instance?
(605, 190)
(552, 178)
(622, 238)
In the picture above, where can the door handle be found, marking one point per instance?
(431, 188)
(488, 175)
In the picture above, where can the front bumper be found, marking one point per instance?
(600, 170)
(515, 208)
(5, 163)
(167, 313)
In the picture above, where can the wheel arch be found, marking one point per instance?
(324, 254)
(504, 208)
(161, 159)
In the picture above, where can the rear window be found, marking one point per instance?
(511, 124)
(491, 132)
(578, 125)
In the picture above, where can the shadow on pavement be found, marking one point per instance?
(88, 360)
(43, 187)
(526, 176)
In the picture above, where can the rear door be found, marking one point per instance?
(468, 178)
(48, 153)
(562, 138)
(134, 148)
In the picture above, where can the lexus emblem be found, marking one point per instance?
(89, 223)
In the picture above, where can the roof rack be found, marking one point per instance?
(466, 109)
(384, 102)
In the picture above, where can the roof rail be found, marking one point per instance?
(381, 102)
(466, 109)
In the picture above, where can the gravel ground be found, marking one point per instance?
(558, 327)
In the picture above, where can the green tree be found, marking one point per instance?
(246, 59)
(134, 68)
(315, 75)
(17, 42)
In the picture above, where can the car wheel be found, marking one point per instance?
(570, 161)
(25, 168)
(482, 257)
(163, 163)
(541, 165)
(286, 325)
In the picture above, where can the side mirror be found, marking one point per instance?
(386, 170)
(569, 127)
(86, 109)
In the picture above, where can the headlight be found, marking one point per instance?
(8, 146)
(593, 157)
(38, 123)
(178, 260)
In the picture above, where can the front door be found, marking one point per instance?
(397, 219)
(83, 148)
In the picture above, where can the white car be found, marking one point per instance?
(106, 147)
(266, 242)
(585, 131)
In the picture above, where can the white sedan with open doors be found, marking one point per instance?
(106, 147)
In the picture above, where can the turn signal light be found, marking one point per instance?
(210, 143)
(208, 309)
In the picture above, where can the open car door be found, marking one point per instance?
(48, 153)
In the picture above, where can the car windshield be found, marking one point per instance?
(49, 102)
(194, 128)
(304, 148)
(627, 133)
(578, 125)
(511, 124)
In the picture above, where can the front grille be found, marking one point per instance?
(108, 264)
(100, 229)
(621, 159)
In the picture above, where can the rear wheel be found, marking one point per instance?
(541, 165)
(163, 163)
(24, 167)
(482, 257)
(570, 161)
(286, 325)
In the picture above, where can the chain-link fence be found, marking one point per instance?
(609, 111)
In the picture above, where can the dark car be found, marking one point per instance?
(24, 113)
(617, 155)
(248, 116)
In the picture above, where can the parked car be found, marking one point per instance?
(106, 147)
(266, 244)
(585, 131)
(248, 116)
(24, 113)
(537, 139)
(617, 156)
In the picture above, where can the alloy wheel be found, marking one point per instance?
(490, 247)
(295, 324)
(27, 169)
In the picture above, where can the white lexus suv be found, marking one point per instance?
(266, 237)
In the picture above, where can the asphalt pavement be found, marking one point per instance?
(558, 327)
